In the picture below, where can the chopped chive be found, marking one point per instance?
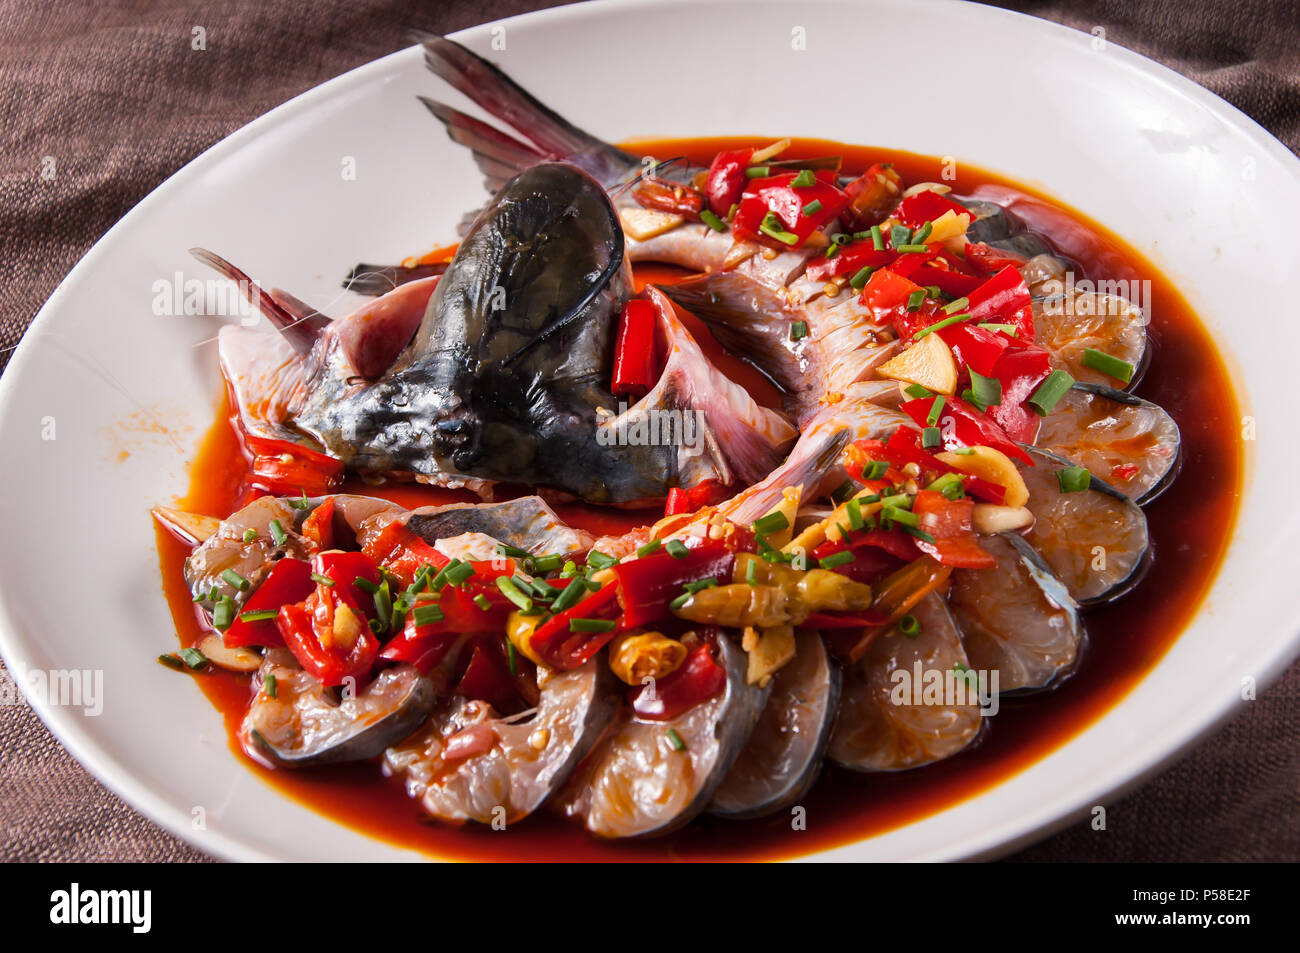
(915, 300)
(901, 500)
(771, 523)
(270, 686)
(1073, 479)
(804, 179)
(675, 740)
(236, 580)
(968, 395)
(711, 220)
(877, 238)
(651, 547)
(694, 587)
(1050, 391)
(758, 172)
(813, 207)
(458, 572)
(171, 661)
(570, 569)
(963, 451)
(258, 615)
(591, 625)
(987, 390)
(798, 330)
(223, 613)
(832, 249)
(598, 560)
(320, 580)
(301, 503)
(751, 573)
(278, 535)
(1008, 329)
(194, 659)
(548, 563)
(513, 593)
(936, 410)
(953, 307)
(922, 233)
(916, 391)
(1108, 364)
(514, 552)
(483, 602)
(512, 659)
(931, 437)
(676, 548)
(860, 279)
(384, 605)
(861, 236)
(842, 558)
(910, 248)
(680, 601)
(773, 227)
(950, 485)
(933, 291)
(918, 533)
(878, 468)
(898, 515)
(841, 239)
(365, 585)
(845, 491)
(572, 593)
(940, 325)
(854, 510)
(899, 235)
(427, 614)
(909, 626)
(250, 535)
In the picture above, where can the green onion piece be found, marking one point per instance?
(250, 535)
(1050, 391)
(773, 522)
(301, 503)
(915, 300)
(570, 569)
(931, 437)
(963, 451)
(940, 325)
(773, 227)
(591, 625)
(514, 552)
(909, 626)
(694, 587)
(804, 179)
(278, 535)
(878, 468)
(1073, 479)
(458, 572)
(598, 560)
(572, 593)
(916, 391)
(194, 659)
(899, 235)
(845, 490)
(258, 615)
(968, 395)
(236, 580)
(711, 220)
(911, 248)
(918, 533)
(936, 410)
(171, 661)
(1111, 366)
(513, 593)
(877, 238)
(511, 658)
(751, 573)
(1008, 329)
(950, 485)
(922, 233)
(898, 515)
(813, 207)
(860, 279)
(854, 510)
(427, 614)
(651, 547)
(548, 563)
(798, 330)
(842, 558)
(839, 238)
(320, 580)
(365, 585)
(832, 249)
(376, 626)
(483, 602)
(901, 500)
(270, 686)
(757, 172)
(675, 740)
(676, 548)
(987, 390)
(953, 307)
(861, 236)
(223, 613)
(680, 601)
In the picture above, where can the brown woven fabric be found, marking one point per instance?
(113, 92)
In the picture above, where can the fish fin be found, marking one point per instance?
(504, 99)
(499, 156)
(731, 437)
(749, 320)
(300, 331)
(376, 280)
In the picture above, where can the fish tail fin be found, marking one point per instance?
(813, 456)
(298, 323)
(552, 136)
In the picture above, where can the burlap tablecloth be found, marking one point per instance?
(113, 91)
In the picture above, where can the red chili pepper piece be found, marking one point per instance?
(886, 293)
(915, 210)
(647, 585)
(282, 468)
(989, 259)
(874, 194)
(789, 203)
(1020, 371)
(634, 355)
(560, 647)
(698, 679)
(1004, 299)
(487, 678)
(664, 196)
(288, 582)
(319, 526)
(345, 569)
(331, 656)
(950, 282)
(965, 426)
(727, 180)
(851, 259)
(949, 522)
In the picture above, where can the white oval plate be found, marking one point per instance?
(1193, 183)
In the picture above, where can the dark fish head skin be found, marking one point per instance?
(504, 377)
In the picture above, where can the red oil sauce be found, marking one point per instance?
(1190, 527)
